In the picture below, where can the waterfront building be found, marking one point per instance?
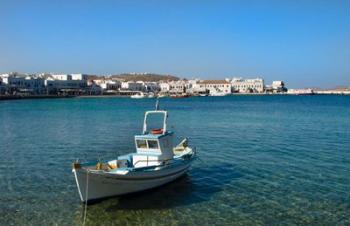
(164, 87)
(93, 89)
(79, 77)
(63, 77)
(195, 88)
(300, 91)
(63, 84)
(151, 87)
(278, 87)
(132, 86)
(179, 86)
(214, 87)
(106, 84)
(113, 85)
(241, 85)
(3, 87)
(69, 76)
(23, 84)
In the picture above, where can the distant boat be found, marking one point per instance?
(218, 94)
(156, 162)
(300, 92)
(151, 95)
(306, 92)
(139, 95)
(161, 95)
(179, 95)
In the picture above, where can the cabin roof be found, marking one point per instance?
(153, 136)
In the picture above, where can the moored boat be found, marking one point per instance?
(156, 162)
(184, 95)
(218, 94)
(139, 95)
(161, 95)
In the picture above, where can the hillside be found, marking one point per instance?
(147, 77)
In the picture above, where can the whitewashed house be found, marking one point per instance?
(215, 87)
(179, 86)
(106, 84)
(63, 77)
(79, 76)
(113, 85)
(241, 85)
(23, 83)
(132, 86)
(278, 87)
(194, 87)
(151, 86)
(64, 83)
(164, 87)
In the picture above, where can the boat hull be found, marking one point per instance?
(93, 185)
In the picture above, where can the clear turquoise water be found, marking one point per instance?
(269, 160)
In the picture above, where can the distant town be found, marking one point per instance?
(139, 85)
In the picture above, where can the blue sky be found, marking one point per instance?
(304, 43)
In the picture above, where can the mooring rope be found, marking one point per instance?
(86, 195)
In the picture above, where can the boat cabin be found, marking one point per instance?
(153, 146)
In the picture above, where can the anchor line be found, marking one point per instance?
(86, 195)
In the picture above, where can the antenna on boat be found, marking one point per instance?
(157, 105)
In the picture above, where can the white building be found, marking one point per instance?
(300, 91)
(93, 89)
(164, 87)
(151, 86)
(64, 84)
(214, 87)
(63, 77)
(194, 87)
(247, 85)
(79, 77)
(113, 85)
(106, 84)
(132, 86)
(179, 86)
(21, 83)
(69, 76)
(278, 87)
(3, 87)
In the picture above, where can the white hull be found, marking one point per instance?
(218, 94)
(102, 184)
(138, 96)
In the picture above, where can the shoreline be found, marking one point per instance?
(126, 96)
(18, 97)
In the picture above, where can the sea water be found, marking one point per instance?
(270, 160)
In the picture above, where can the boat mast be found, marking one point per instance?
(156, 111)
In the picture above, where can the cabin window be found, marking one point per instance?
(141, 143)
(153, 144)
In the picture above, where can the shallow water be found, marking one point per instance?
(271, 160)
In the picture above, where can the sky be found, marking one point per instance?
(304, 43)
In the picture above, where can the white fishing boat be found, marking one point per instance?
(156, 162)
(218, 94)
(151, 95)
(139, 95)
(161, 95)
